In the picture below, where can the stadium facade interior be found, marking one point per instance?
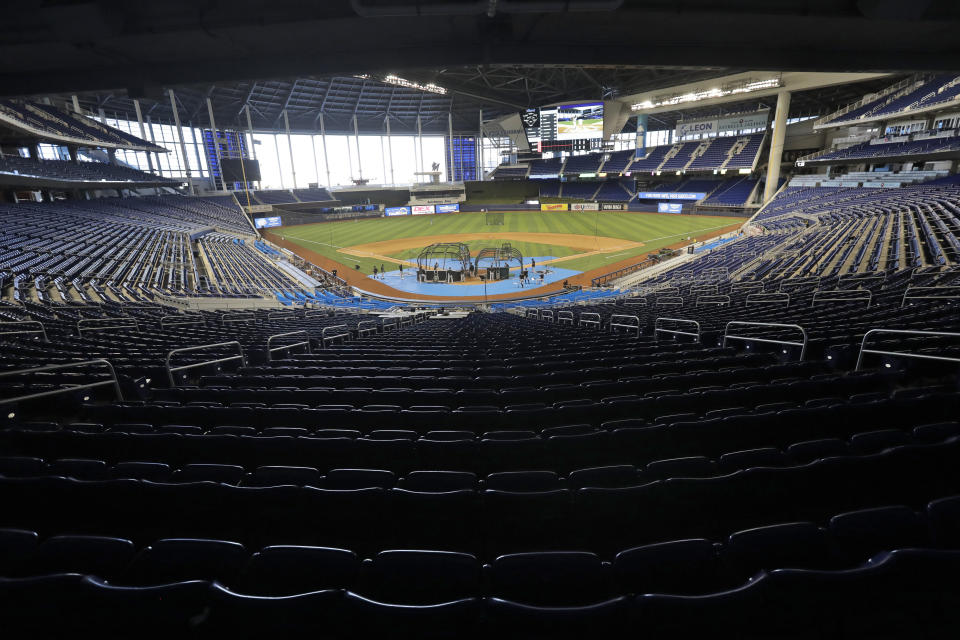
(510, 339)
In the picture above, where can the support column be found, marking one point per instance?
(356, 137)
(419, 144)
(153, 139)
(276, 147)
(776, 145)
(216, 148)
(293, 169)
(316, 165)
(450, 146)
(143, 130)
(478, 150)
(253, 147)
(383, 162)
(183, 145)
(390, 151)
(76, 103)
(323, 139)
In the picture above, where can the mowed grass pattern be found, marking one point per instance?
(654, 230)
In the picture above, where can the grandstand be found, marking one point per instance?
(690, 365)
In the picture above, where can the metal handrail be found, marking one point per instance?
(736, 287)
(42, 330)
(620, 325)
(127, 323)
(635, 302)
(240, 316)
(313, 312)
(389, 322)
(535, 312)
(768, 298)
(717, 299)
(232, 343)
(668, 291)
(798, 283)
(53, 367)
(729, 336)
(657, 329)
(705, 289)
(856, 296)
(324, 337)
(919, 356)
(371, 326)
(589, 322)
(282, 315)
(565, 317)
(922, 290)
(186, 321)
(287, 347)
(543, 315)
(669, 301)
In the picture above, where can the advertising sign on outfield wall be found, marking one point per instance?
(585, 206)
(422, 209)
(396, 211)
(448, 208)
(613, 207)
(669, 207)
(556, 206)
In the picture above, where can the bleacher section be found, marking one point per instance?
(509, 173)
(313, 195)
(682, 156)
(550, 188)
(938, 89)
(549, 167)
(613, 191)
(747, 156)
(714, 155)
(652, 160)
(587, 163)
(913, 145)
(50, 123)
(732, 193)
(618, 161)
(275, 196)
(580, 190)
(80, 172)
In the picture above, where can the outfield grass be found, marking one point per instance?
(654, 230)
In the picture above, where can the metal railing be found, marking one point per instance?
(565, 317)
(67, 365)
(746, 285)
(342, 328)
(729, 336)
(592, 321)
(635, 302)
(843, 295)
(903, 354)
(704, 289)
(182, 321)
(767, 298)
(241, 316)
(42, 330)
(287, 347)
(719, 300)
(546, 314)
(232, 343)
(282, 315)
(84, 325)
(860, 279)
(389, 323)
(669, 301)
(799, 283)
(616, 324)
(923, 293)
(658, 329)
(365, 327)
(532, 313)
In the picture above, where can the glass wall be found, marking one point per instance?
(365, 156)
(170, 164)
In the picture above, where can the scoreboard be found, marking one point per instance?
(564, 127)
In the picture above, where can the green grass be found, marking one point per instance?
(653, 230)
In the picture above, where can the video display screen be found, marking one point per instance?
(564, 122)
(263, 223)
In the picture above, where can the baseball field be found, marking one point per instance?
(580, 241)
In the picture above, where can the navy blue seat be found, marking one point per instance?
(763, 457)
(523, 481)
(225, 473)
(93, 555)
(156, 471)
(557, 578)
(359, 479)
(183, 559)
(421, 577)
(268, 476)
(810, 450)
(690, 467)
(438, 481)
(861, 534)
(685, 567)
(16, 547)
(284, 570)
(795, 545)
(21, 466)
(944, 516)
(623, 475)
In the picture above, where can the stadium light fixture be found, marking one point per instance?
(747, 86)
(403, 82)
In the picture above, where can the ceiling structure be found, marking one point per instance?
(495, 55)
